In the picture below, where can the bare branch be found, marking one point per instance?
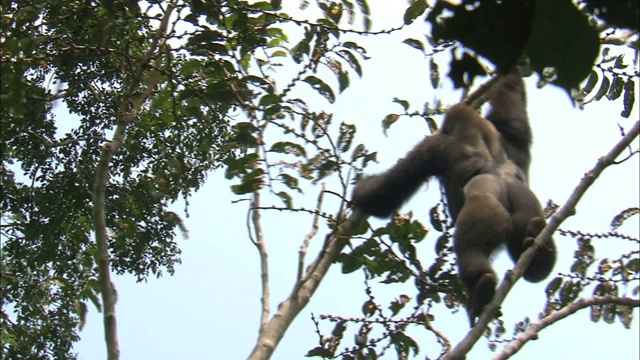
(314, 230)
(271, 334)
(534, 329)
(258, 241)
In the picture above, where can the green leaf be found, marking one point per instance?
(299, 50)
(404, 343)
(414, 10)
(276, 4)
(416, 44)
(369, 308)
(359, 151)
(442, 244)
(287, 147)
(244, 134)
(320, 352)
(290, 181)
(343, 80)
(404, 103)
(279, 53)
(633, 265)
(353, 46)
(388, 121)
(364, 9)
(270, 99)
(548, 47)
(351, 60)
(237, 167)
(334, 12)
(347, 131)
(321, 87)
(251, 182)
(286, 199)
(339, 328)
(350, 263)
(395, 306)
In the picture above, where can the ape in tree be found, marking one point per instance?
(483, 165)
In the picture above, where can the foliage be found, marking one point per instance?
(94, 60)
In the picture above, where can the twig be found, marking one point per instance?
(533, 330)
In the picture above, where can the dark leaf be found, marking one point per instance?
(629, 98)
(347, 131)
(321, 87)
(553, 286)
(616, 88)
(416, 44)
(388, 121)
(287, 147)
(417, 8)
(290, 181)
(604, 88)
(404, 103)
(286, 199)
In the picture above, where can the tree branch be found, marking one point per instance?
(533, 330)
(314, 230)
(271, 334)
(264, 260)
(491, 310)
(123, 118)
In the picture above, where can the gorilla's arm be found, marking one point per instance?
(508, 114)
(380, 195)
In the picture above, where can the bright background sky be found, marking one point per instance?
(210, 309)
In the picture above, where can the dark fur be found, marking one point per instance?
(483, 167)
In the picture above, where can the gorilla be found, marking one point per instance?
(483, 166)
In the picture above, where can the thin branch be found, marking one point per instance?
(51, 144)
(314, 230)
(442, 339)
(492, 309)
(264, 261)
(534, 329)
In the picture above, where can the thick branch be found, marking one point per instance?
(534, 329)
(264, 260)
(491, 310)
(99, 211)
(272, 333)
